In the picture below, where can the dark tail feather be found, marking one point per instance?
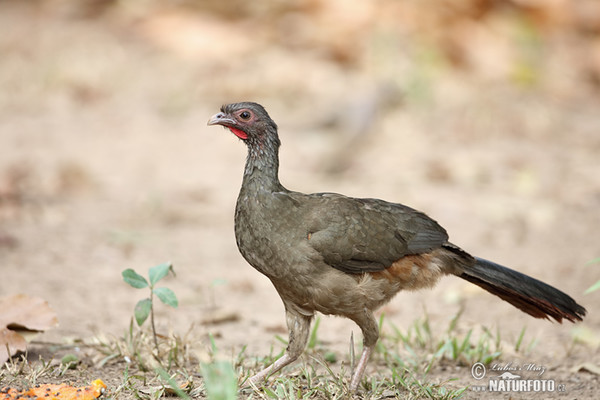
(527, 294)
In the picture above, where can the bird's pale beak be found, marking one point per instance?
(220, 119)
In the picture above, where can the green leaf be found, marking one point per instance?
(159, 272)
(172, 383)
(312, 341)
(330, 357)
(167, 296)
(270, 393)
(134, 279)
(213, 344)
(594, 261)
(220, 380)
(593, 288)
(142, 311)
(69, 361)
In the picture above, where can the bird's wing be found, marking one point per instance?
(359, 235)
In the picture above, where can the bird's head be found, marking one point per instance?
(248, 121)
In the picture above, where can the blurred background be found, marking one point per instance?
(483, 113)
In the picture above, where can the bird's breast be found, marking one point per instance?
(268, 235)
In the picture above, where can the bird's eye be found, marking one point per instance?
(245, 115)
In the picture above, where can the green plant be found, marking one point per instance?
(595, 286)
(420, 348)
(172, 384)
(220, 379)
(145, 307)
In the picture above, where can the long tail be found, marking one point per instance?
(524, 292)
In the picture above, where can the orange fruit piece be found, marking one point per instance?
(55, 392)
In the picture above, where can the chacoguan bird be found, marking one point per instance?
(345, 256)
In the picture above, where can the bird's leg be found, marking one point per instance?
(370, 330)
(360, 368)
(298, 328)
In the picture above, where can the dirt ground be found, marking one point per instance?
(106, 163)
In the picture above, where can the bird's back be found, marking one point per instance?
(353, 235)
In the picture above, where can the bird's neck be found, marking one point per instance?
(262, 165)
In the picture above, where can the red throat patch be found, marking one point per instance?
(239, 133)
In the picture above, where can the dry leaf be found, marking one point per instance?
(220, 317)
(585, 335)
(587, 367)
(167, 391)
(26, 312)
(11, 341)
(20, 314)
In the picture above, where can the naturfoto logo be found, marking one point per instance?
(512, 377)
